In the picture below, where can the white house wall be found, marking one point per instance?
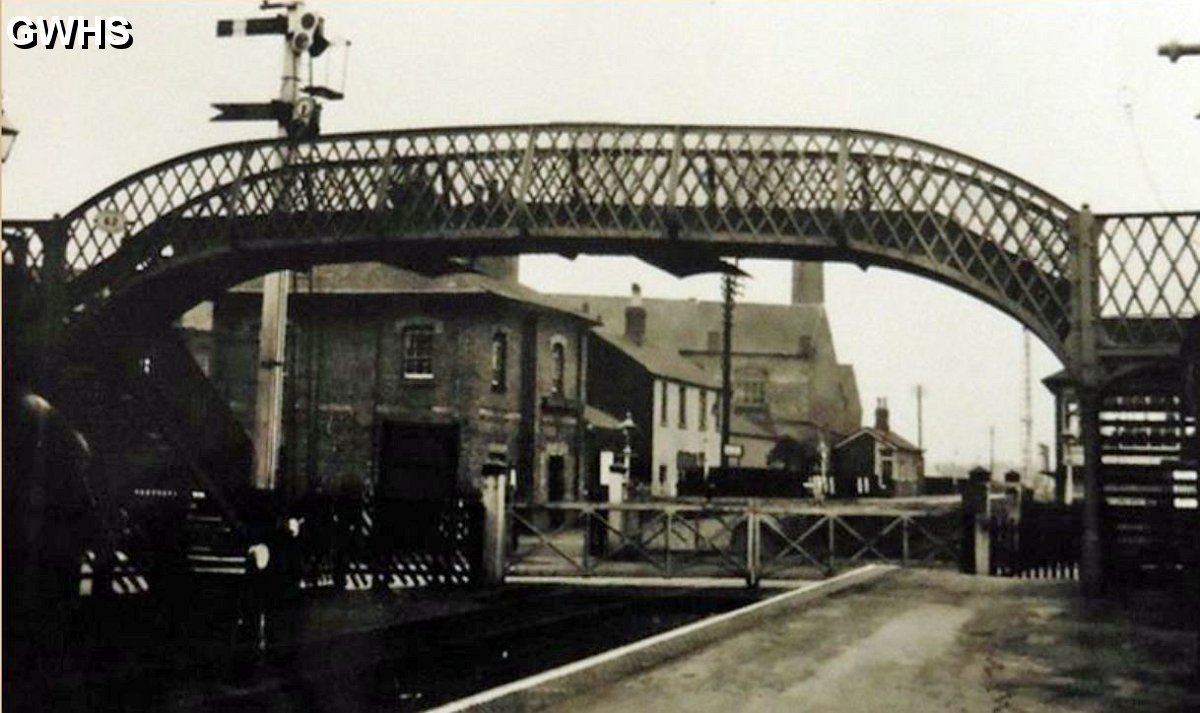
(668, 440)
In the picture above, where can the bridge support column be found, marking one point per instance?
(54, 271)
(1086, 372)
(1091, 556)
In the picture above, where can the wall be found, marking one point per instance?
(345, 378)
(908, 476)
(619, 385)
(800, 390)
(851, 461)
(672, 438)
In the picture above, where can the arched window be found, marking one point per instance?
(558, 363)
(417, 340)
(499, 363)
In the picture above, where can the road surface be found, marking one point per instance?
(923, 641)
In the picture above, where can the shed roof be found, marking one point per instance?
(887, 437)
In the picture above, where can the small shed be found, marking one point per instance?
(875, 462)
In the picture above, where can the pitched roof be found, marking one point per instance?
(660, 361)
(601, 419)
(887, 437)
(740, 425)
(684, 325)
(373, 278)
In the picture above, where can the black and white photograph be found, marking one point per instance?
(593, 356)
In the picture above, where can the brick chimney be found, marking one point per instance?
(635, 317)
(808, 283)
(881, 416)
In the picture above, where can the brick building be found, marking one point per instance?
(787, 379)
(406, 385)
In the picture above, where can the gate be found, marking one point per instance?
(1038, 541)
(748, 540)
(390, 543)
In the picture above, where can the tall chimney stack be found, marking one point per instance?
(808, 283)
(635, 317)
(881, 416)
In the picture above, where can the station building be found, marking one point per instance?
(406, 385)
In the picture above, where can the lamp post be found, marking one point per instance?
(627, 427)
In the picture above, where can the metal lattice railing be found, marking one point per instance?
(23, 246)
(1149, 275)
(804, 192)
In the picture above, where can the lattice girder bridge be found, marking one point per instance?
(1112, 295)
(681, 197)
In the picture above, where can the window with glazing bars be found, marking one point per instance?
(499, 363)
(418, 351)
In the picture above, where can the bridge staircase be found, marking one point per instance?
(169, 456)
(1149, 454)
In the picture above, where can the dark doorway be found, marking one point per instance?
(418, 461)
(556, 475)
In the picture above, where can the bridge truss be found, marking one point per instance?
(1110, 294)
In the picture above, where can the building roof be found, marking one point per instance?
(659, 360)
(601, 419)
(740, 425)
(683, 325)
(887, 437)
(373, 278)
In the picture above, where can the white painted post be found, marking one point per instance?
(617, 482)
(494, 491)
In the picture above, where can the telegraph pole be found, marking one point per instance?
(298, 117)
(920, 417)
(729, 293)
(272, 331)
(992, 450)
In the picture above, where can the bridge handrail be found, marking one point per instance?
(457, 141)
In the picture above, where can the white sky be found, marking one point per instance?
(1060, 93)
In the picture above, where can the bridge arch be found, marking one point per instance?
(680, 197)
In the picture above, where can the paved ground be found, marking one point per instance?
(922, 641)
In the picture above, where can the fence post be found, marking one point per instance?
(670, 525)
(976, 513)
(752, 551)
(904, 547)
(617, 484)
(830, 534)
(493, 488)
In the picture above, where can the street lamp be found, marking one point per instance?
(627, 427)
(8, 137)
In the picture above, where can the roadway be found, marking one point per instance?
(922, 641)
